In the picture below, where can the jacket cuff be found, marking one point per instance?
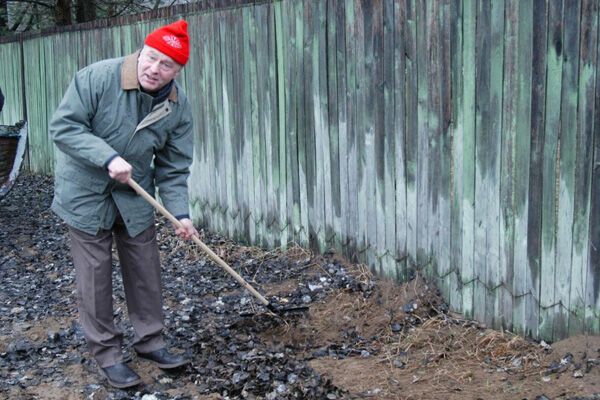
(182, 216)
(109, 160)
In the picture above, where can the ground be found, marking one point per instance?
(361, 337)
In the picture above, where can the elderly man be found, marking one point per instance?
(119, 119)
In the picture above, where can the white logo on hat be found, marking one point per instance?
(172, 41)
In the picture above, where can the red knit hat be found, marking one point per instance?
(172, 40)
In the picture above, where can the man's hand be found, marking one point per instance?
(119, 169)
(188, 229)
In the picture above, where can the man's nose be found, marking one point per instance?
(155, 66)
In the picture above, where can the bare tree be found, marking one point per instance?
(24, 15)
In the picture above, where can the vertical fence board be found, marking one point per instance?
(388, 249)
(333, 179)
(380, 150)
(500, 305)
(567, 159)
(550, 157)
(456, 128)
(592, 320)
(398, 132)
(351, 66)
(468, 156)
(423, 135)
(343, 116)
(412, 133)
(321, 128)
(484, 190)
(583, 166)
(445, 151)
(434, 136)
(522, 143)
(508, 138)
(530, 306)
(282, 58)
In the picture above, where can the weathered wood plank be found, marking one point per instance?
(370, 104)
(567, 160)
(592, 316)
(343, 117)
(248, 208)
(500, 310)
(335, 103)
(412, 134)
(282, 59)
(223, 114)
(457, 132)
(313, 179)
(398, 132)
(522, 275)
(529, 310)
(388, 162)
(380, 150)
(445, 193)
(267, 159)
(302, 42)
(423, 137)
(484, 163)
(550, 162)
(361, 135)
(293, 42)
(432, 68)
(583, 166)
(468, 156)
(321, 128)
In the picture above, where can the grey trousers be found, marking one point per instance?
(140, 269)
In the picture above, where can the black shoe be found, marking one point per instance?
(164, 359)
(121, 376)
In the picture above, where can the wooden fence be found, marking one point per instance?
(455, 137)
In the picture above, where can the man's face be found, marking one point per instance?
(155, 69)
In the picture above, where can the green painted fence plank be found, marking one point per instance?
(369, 106)
(399, 134)
(583, 166)
(455, 279)
(423, 136)
(507, 220)
(333, 232)
(592, 316)
(468, 156)
(344, 118)
(501, 298)
(379, 150)
(282, 89)
(412, 133)
(386, 252)
(529, 312)
(550, 162)
(484, 169)
(522, 143)
(292, 81)
(445, 151)
(567, 160)
(433, 135)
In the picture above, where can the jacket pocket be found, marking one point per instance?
(85, 179)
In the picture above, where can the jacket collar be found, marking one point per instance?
(129, 79)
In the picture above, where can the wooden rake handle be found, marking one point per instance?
(196, 239)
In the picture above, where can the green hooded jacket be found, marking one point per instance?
(103, 114)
